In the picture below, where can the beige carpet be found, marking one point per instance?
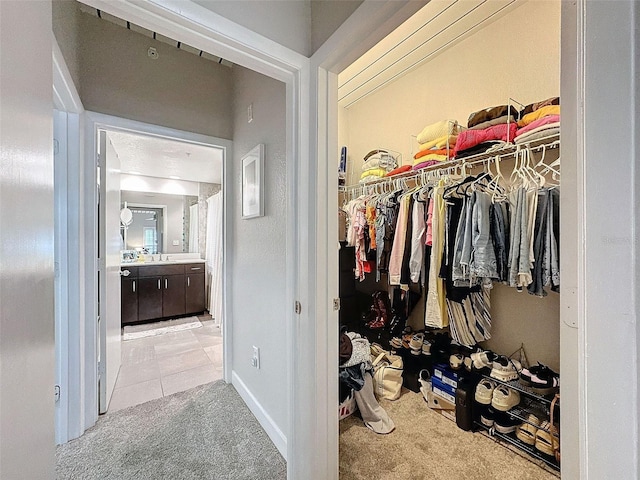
(425, 445)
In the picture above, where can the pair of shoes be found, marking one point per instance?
(505, 368)
(468, 363)
(396, 342)
(456, 361)
(547, 439)
(416, 343)
(541, 379)
(487, 416)
(500, 397)
(526, 432)
(505, 423)
(484, 359)
(426, 347)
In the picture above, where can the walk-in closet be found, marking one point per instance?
(449, 232)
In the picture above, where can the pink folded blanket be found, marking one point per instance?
(538, 123)
(471, 138)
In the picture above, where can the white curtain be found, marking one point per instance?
(194, 237)
(214, 255)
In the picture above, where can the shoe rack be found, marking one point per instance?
(531, 403)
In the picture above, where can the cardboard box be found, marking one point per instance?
(440, 390)
(447, 376)
(449, 414)
(444, 387)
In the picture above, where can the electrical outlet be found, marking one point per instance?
(176, 243)
(255, 360)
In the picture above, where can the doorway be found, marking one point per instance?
(157, 335)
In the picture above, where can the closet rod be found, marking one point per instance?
(547, 143)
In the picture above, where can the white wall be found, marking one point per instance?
(484, 70)
(257, 248)
(26, 250)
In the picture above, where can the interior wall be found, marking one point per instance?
(27, 360)
(500, 61)
(66, 28)
(482, 71)
(327, 16)
(285, 22)
(258, 256)
(116, 76)
(175, 206)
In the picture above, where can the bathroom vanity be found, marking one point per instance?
(158, 290)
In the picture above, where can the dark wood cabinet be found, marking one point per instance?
(173, 295)
(161, 291)
(129, 287)
(149, 297)
(195, 292)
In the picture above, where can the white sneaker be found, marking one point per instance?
(484, 391)
(505, 369)
(505, 398)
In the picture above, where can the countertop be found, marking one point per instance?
(162, 262)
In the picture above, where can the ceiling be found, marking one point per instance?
(164, 158)
(436, 27)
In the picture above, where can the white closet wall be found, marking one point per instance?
(516, 56)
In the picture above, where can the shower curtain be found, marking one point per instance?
(214, 256)
(194, 237)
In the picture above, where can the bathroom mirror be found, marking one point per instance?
(160, 223)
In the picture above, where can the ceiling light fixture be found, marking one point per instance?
(174, 177)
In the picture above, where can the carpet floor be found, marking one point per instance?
(425, 445)
(204, 433)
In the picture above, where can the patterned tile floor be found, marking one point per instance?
(154, 367)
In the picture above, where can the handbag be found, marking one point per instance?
(387, 376)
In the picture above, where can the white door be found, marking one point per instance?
(109, 241)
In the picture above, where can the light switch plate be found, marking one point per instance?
(176, 243)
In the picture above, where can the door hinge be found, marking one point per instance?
(297, 307)
(336, 304)
(56, 393)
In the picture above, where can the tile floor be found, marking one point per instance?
(154, 367)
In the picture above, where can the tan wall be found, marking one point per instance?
(504, 60)
(501, 61)
(178, 90)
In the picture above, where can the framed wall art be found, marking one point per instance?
(253, 182)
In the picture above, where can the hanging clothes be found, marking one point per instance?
(436, 311)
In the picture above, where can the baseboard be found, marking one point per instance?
(275, 434)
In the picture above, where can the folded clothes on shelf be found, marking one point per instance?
(438, 130)
(490, 113)
(471, 138)
(532, 107)
(495, 121)
(439, 143)
(536, 114)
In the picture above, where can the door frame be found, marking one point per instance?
(93, 123)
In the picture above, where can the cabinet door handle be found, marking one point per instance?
(196, 268)
(134, 286)
(166, 283)
(188, 282)
(158, 284)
